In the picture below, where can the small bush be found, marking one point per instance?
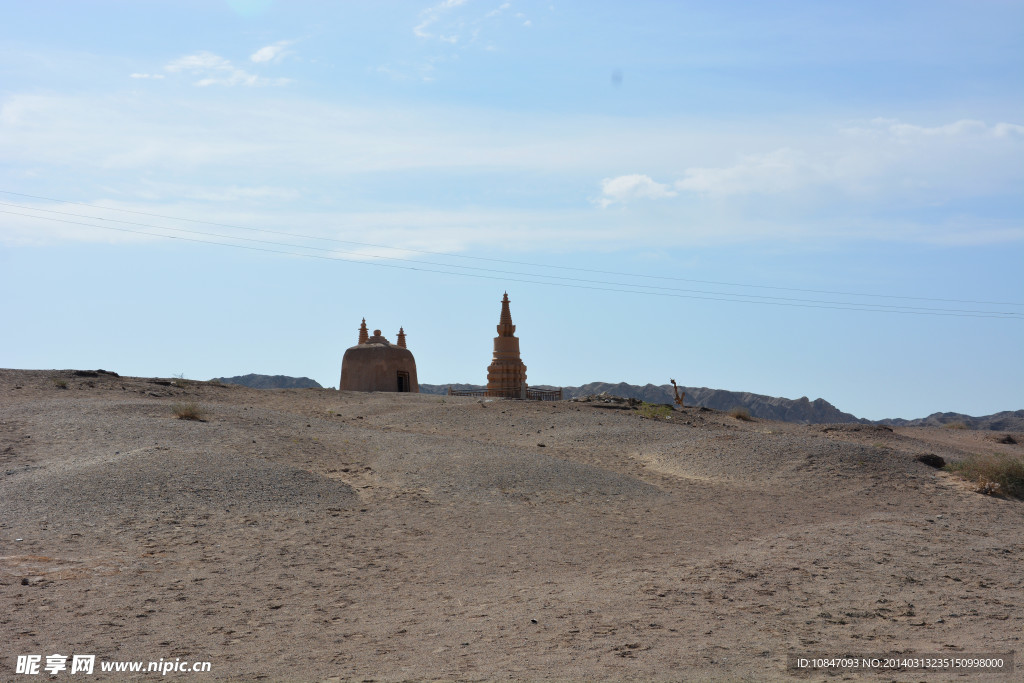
(741, 414)
(188, 411)
(955, 425)
(999, 475)
(60, 383)
(655, 410)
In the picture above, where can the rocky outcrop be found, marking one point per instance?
(800, 410)
(441, 389)
(270, 382)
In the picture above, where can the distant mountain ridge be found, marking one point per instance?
(767, 407)
(801, 410)
(1005, 421)
(270, 381)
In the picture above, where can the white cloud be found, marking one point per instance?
(634, 186)
(900, 131)
(147, 76)
(498, 10)
(276, 165)
(234, 193)
(778, 171)
(271, 53)
(216, 70)
(962, 127)
(430, 15)
(883, 157)
(463, 29)
(423, 71)
(1002, 130)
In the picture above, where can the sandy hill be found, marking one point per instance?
(323, 535)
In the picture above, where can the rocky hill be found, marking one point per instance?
(270, 382)
(1006, 421)
(801, 410)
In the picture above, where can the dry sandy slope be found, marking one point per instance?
(313, 534)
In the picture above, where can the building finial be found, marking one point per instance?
(364, 334)
(401, 337)
(505, 326)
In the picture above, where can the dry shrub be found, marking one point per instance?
(741, 413)
(655, 410)
(955, 425)
(188, 411)
(998, 475)
(60, 383)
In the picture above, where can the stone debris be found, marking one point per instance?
(932, 460)
(607, 400)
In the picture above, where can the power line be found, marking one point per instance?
(733, 298)
(503, 272)
(505, 261)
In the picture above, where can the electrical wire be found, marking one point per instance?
(503, 272)
(633, 289)
(510, 262)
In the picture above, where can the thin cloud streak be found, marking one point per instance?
(216, 70)
(885, 156)
(389, 152)
(271, 53)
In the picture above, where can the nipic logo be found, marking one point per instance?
(30, 664)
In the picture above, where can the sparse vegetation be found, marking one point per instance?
(995, 475)
(188, 411)
(955, 425)
(60, 383)
(655, 410)
(741, 413)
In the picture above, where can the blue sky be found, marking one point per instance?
(789, 198)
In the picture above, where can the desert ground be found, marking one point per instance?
(324, 535)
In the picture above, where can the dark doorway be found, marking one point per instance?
(403, 381)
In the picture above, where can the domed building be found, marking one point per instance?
(375, 364)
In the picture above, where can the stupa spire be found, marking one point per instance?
(506, 375)
(505, 326)
(364, 334)
(401, 337)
